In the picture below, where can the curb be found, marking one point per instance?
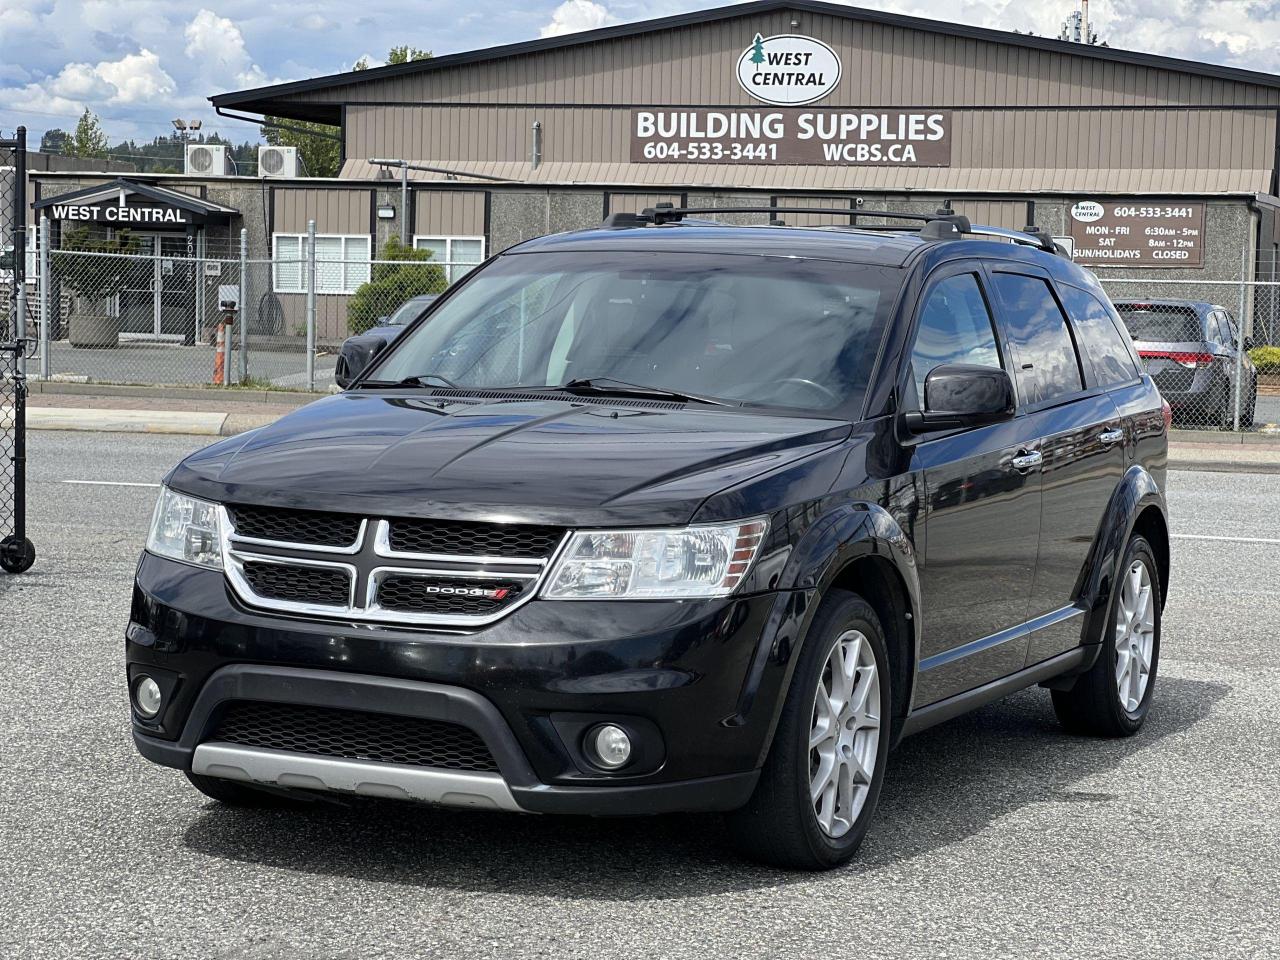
(190, 423)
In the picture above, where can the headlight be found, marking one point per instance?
(702, 561)
(184, 528)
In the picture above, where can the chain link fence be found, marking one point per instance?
(16, 552)
(1209, 346)
(160, 317)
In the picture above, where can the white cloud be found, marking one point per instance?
(217, 46)
(575, 15)
(134, 78)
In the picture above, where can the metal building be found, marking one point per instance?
(1141, 162)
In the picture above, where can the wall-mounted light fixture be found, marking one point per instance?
(386, 212)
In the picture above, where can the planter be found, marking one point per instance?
(93, 330)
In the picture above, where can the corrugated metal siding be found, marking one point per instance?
(334, 211)
(449, 213)
(1172, 150)
(884, 66)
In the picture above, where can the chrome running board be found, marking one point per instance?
(396, 781)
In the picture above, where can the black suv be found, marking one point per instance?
(672, 516)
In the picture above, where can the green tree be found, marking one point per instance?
(89, 141)
(757, 50)
(407, 275)
(54, 141)
(407, 54)
(321, 156)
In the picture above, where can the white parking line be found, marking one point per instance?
(1197, 536)
(110, 483)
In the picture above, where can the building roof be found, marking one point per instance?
(119, 187)
(270, 99)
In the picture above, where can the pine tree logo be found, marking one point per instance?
(757, 50)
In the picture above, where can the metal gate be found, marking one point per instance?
(16, 552)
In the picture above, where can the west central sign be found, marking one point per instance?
(822, 137)
(115, 215)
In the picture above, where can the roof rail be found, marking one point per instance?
(944, 224)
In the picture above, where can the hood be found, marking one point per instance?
(531, 460)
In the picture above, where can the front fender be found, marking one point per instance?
(842, 536)
(1136, 491)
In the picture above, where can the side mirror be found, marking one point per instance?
(357, 353)
(1249, 343)
(959, 395)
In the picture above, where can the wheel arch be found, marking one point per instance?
(1137, 506)
(860, 547)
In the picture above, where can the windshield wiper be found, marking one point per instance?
(607, 386)
(418, 380)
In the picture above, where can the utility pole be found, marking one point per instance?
(1084, 21)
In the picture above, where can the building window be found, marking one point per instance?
(342, 262)
(459, 254)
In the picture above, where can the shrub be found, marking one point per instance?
(407, 275)
(95, 278)
(1266, 359)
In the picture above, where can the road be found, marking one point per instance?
(997, 835)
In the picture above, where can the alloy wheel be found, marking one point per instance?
(844, 737)
(1134, 636)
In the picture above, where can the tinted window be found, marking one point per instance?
(955, 327)
(1099, 338)
(1229, 328)
(776, 331)
(1160, 322)
(1044, 356)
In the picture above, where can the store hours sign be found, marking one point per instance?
(1137, 233)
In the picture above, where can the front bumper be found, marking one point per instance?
(678, 672)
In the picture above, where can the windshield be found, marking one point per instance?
(1160, 322)
(764, 330)
(408, 311)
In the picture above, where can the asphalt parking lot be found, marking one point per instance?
(997, 834)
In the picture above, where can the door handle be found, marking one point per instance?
(1026, 461)
(1110, 436)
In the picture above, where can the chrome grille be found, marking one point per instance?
(299, 584)
(310, 527)
(401, 571)
(457, 538)
(418, 594)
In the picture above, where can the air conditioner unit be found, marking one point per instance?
(208, 160)
(277, 161)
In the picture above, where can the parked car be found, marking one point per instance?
(1192, 351)
(672, 516)
(357, 351)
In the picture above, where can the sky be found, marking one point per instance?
(140, 63)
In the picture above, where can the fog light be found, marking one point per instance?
(146, 697)
(609, 746)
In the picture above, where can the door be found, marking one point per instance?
(1082, 439)
(982, 516)
(139, 314)
(175, 301)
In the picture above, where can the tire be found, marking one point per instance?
(1094, 706)
(235, 794)
(780, 825)
(16, 556)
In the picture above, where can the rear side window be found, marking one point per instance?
(1161, 322)
(955, 327)
(1099, 338)
(1044, 356)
